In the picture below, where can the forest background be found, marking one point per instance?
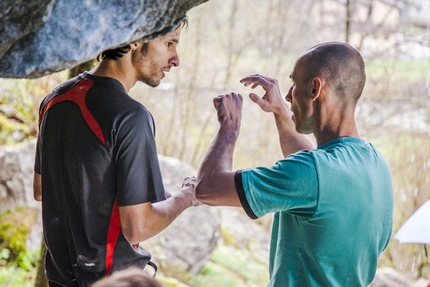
(227, 40)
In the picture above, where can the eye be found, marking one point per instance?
(169, 44)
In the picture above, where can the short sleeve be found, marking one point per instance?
(291, 185)
(138, 172)
(37, 167)
(37, 157)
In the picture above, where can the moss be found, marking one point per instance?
(15, 226)
(241, 263)
(227, 237)
(170, 282)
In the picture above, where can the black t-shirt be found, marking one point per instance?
(95, 152)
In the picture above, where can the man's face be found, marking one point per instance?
(299, 96)
(157, 57)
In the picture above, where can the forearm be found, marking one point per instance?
(143, 221)
(220, 154)
(215, 180)
(165, 212)
(290, 140)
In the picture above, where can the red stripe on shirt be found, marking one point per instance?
(112, 237)
(77, 95)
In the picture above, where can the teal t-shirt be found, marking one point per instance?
(333, 213)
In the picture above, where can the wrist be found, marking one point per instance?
(284, 121)
(228, 134)
(283, 112)
(182, 200)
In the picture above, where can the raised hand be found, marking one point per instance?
(229, 108)
(272, 101)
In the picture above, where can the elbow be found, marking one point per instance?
(203, 192)
(134, 238)
(135, 235)
(130, 237)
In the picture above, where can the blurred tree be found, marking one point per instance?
(41, 280)
(86, 66)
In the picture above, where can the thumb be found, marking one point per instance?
(256, 99)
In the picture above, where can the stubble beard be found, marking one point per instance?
(146, 64)
(151, 78)
(150, 81)
(305, 125)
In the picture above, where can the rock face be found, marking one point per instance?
(40, 37)
(187, 244)
(16, 176)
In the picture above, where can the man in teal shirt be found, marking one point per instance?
(333, 204)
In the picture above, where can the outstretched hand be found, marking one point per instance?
(229, 109)
(272, 101)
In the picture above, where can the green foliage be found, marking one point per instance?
(227, 237)
(231, 267)
(4, 256)
(170, 282)
(242, 263)
(14, 276)
(14, 230)
(19, 106)
(402, 71)
(16, 236)
(214, 275)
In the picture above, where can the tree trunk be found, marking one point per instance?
(86, 66)
(41, 280)
(348, 21)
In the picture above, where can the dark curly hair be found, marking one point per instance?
(117, 53)
(114, 54)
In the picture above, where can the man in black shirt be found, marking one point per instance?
(97, 172)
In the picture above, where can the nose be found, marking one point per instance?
(174, 61)
(289, 97)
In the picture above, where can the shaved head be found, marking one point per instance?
(341, 66)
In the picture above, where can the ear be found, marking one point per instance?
(133, 46)
(316, 88)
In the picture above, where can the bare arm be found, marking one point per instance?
(215, 180)
(143, 221)
(290, 140)
(37, 186)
